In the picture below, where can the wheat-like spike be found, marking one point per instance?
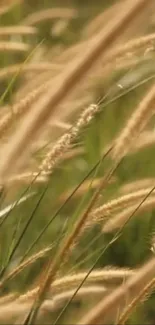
(120, 218)
(13, 30)
(54, 155)
(15, 309)
(107, 308)
(108, 275)
(138, 298)
(119, 203)
(135, 124)
(13, 46)
(32, 259)
(49, 13)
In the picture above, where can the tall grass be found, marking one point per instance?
(77, 165)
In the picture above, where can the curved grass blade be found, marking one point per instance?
(23, 232)
(64, 250)
(115, 237)
(65, 203)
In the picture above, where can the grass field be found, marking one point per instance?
(77, 173)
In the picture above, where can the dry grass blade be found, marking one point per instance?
(45, 108)
(32, 259)
(116, 221)
(119, 203)
(107, 308)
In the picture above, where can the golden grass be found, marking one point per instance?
(119, 218)
(107, 276)
(109, 306)
(119, 203)
(57, 99)
(75, 72)
(63, 144)
(15, 310)
(32, 259)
